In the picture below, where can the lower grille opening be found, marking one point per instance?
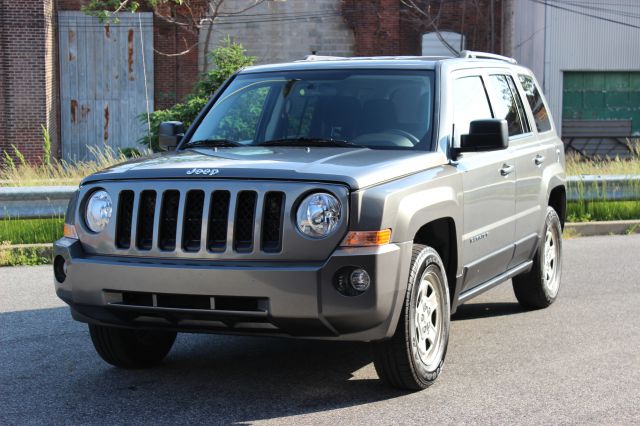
(187, 301)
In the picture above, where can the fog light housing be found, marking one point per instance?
(352, 281)
(60, 269)
(360, 280)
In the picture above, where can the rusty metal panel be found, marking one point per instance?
(102, 81)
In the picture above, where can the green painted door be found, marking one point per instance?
(602, 96)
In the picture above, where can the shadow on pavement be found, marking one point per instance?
(51, 373)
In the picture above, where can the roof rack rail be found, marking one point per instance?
(324, 58)
(483, 55)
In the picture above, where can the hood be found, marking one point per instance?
(357, 168)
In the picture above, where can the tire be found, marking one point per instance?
(126, 348)
(539, 287)
(400, 361)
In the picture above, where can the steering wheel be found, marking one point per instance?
(414, 140)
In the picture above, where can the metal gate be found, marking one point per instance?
(102, 82)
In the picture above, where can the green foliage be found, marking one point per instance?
(46, 146)
(19, 155)
(104, 9)
(24, 256)
(227, 59)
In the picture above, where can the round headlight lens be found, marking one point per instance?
(318, 215)
(99, 211)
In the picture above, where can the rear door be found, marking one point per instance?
(488, 185)
(529, 157)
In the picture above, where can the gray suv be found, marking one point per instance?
(359, 199)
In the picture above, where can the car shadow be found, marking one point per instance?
(470, 311)
(49, 362)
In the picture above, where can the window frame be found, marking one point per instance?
(532, 118)
(524, 114)
(455, 142)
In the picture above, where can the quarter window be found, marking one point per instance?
(507, 104)
(470, 103)
(540, 115)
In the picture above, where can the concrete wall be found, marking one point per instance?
(282, 31)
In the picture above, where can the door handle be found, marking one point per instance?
(539, 159)
(506, 169)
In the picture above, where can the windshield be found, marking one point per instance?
(380, 109)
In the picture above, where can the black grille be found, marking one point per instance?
(272, 222)
(243, 226)
(123, 221)
(192, 225)
(218, 221)
(145, 220)
(169, 220)
(158, 215)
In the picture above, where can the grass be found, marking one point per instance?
(30, 231)
(577, 165)
(17, 172)
(581, 211)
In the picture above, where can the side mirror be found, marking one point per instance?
(169, 134)
(484, 135)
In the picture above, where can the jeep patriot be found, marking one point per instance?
(359, 199)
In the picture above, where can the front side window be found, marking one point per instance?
(540, 115)
(381, 109)
(507, 104)
(470, 103)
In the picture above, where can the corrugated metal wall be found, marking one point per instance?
(102, 85)
(575, 42)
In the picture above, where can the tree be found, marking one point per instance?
(189, 15)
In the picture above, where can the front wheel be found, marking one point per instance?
(131, 348)
(412, 359)
(539, 287)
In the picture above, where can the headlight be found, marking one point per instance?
(318, 215)
(98, 211)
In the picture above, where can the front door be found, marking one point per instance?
(489, 187)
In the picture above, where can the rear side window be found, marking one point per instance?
(540, 115)
(508, 105)
(469, 103)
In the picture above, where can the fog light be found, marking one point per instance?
(60, 269)
(360, 280)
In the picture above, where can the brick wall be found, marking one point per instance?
(387, 27)
(26, 90)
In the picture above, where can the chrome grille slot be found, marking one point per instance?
(144, 239)
(218, 221)
(192, 223)
(272, 215)
(244, 221)
(169, 220)
(124, 219)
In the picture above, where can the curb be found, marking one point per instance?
(614, 227)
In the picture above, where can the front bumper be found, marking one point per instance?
(273, 298)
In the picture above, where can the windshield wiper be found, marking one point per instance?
(213, 143)
(310, 142)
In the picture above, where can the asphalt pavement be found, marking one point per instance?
(575, 362)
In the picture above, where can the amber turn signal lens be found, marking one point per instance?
(70, 231)
(367, 238)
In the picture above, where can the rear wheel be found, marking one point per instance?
(131, 348)
(539, 287)
(413, 358)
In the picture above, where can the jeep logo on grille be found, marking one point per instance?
(207, 172)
